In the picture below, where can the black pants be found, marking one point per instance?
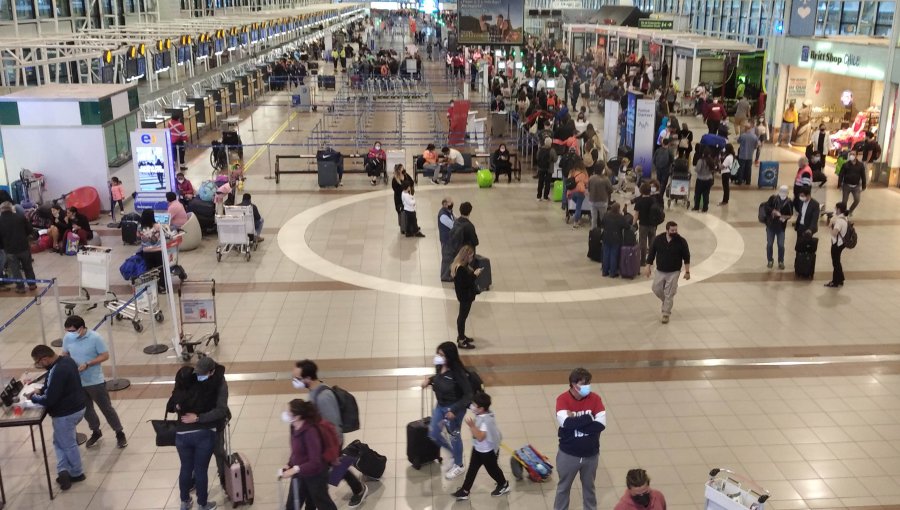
(726, 189)
(545, 182)
(503, 167)
(713, 126)
(838, 274)
(464, 308)
(701, 193)
(178, 153)
(19, 263)
(489, 461)
(412, 225)
(313, 490)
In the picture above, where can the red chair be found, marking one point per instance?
(86, 200)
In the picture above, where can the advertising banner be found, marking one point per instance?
(610, 126)
(796, 87)
(631, 107)
(803, 19)
(459, 115)
(151, 151)
(491, 21)
(644, 137)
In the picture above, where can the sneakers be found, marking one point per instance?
(92, 441)
(121, 440)
(781, 265)
(501, 489)
(357, 499)
(65, 481)
(665, 319)
(208, 506)
(770, 264)
(187, 505)
(461, 494)
(454, 472)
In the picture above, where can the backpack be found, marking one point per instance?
(571, 183)
(348, 407)
(763, 214)
(475, 381)
(133, 267)
(850, 238)
(656, 213)
(735, 167)
(331, 447)
(876, 151)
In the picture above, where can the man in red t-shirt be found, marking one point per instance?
(581, 417)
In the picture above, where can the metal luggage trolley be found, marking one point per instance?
(197, 305)
(93, 263)
(236, 231)
(146, 304)
(726, 490)
(679, 190)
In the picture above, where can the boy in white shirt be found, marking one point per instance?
(486, 438)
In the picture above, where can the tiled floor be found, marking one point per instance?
(335, 282)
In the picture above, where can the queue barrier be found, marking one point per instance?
(311, 157)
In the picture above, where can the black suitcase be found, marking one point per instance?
(420, 449)
(484, 280)
(595, 244)
(206, 214)
(326, 82)
(368, 461)
(805, 257)
(130, 224)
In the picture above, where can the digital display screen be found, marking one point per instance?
(107, 73)
(151, 164)
(491, 21)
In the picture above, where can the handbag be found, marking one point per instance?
(165, 430)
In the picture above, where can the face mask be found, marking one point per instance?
(180, 180)
(804, 199)
(287, 417)
(851, 157)
(202, 378)
(782, 195)
(642, 499)
(298, 384)
(377, 147)
(439, 360)
(652, 189)
(473, 408)
(584, 390)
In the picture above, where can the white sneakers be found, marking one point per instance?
(454, 472)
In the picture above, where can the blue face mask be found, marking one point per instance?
(584, 390)
(202, 378)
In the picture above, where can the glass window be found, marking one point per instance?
(884, 19)
(832, 18)
(24, 9)
(821, 12)
(849, 18)
(78, 8)
(62, 9)
(867, 18)
(45, 8)
(109, 138)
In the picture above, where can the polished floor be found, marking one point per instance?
(792, 384)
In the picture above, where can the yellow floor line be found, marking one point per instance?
(271, 139)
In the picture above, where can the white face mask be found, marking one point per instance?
(439, 360)
(782, 195)
(851, 157)
(287, 417)
(652, 189)
(298, 384)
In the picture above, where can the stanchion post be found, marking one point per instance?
(269, 154)
(41, 318)
(114, 384)
(167, 278)
(156, 347)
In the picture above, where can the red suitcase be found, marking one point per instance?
(629, 261)
(238, 476)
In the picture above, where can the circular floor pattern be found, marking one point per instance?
(292, 241)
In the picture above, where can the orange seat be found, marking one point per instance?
(86, 200)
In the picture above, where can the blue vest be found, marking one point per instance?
(443, 231)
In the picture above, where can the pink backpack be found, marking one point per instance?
(72, 240)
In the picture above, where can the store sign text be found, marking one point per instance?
(848, 59)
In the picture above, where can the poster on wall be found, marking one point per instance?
(803, 19)
(459, 115)
(491, 21)
(644, 137)
(796, 87)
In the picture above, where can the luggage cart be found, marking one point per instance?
(146, 304)
(726, 490)
(197, 305)
(679, 190)
(246, 212)
(233, 236)
(93, 264)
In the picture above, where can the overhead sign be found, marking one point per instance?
(656, 24)
(841, 59)
(566, 4)
(491, 21)
(807, 54)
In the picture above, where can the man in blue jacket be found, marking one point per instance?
(63, 397)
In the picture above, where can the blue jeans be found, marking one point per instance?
(771, 235)
(258, 226)
(449, 169)
(610, 259)
(195, 449)
(434, 432)
(68, 458)
(578, 198)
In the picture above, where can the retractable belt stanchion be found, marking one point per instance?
(59, 311)
(115, 383)
(156, 347)
(167, 278)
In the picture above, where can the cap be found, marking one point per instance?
(205, 365)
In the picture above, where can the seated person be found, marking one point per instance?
(497, 104)
(184, 188)
(80, 225)
(501, 163)
(257, 219)
(376, 163)
(177, 215)
(59, 225)
(452, 161)
(431, 159)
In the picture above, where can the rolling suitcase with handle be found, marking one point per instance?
(595, 244)
(805, 258)
(629, 261)
(420, 449)
(484, 280)
(238, 475)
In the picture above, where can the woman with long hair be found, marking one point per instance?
(464, 276)
(707, 164)
(398, 182)
(306, 468)
(453, 393)
(728, 160)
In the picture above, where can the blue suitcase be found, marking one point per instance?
(768, 175)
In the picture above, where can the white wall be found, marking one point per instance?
(68, 157)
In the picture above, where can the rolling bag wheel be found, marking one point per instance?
(158, 316)
(516, 469)
(218, 256)
(137, 326)
(247, 256)
(69, 309)
(215, 339)
(118, 316)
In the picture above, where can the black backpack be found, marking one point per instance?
(656, 214)
(475, 381)
(850, 238)
(349, 409)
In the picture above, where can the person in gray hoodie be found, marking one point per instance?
(486, 438)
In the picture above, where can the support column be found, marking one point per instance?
(888, 121)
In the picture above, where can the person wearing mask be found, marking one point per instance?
(838, 227)
(430, 157)
(59, 225)
(463, 232)
(184, 188)
(258, 221)
(486, 438)
(762, 133)
(306, 375)
(177, 215)
(685, 142)
(464, 277)
(116, 193)
(501, 163)
(646, 225)
(306, 467)
(600, 189)
(88, 350)
(398, 182)
(748, 144)
(63, 398)
(741, 114)
(497, 103)
(453, 161)
(179, 137)
(15, 232)
(546, 158)
(788, 123)
(79, 224)
(445, 222)
(453, 392)
(669, 250)
(376, 162)
(577, 193)
(200, 399)
(705, 168)
(727, 163)
(581, 417)
(852, 180)
(778, 211)
(409, 209)
(662, 163)
(803, 179)
(807, 214)
(151, 234)
(714, 116)
(820, 141)
(614, 225)
(638, 494)
(871, 152)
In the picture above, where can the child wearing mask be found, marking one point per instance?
(486, 438)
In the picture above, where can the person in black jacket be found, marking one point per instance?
(14, 242)
(463, 232)
(63, 398)
(807, 214)
(778, 211)
(258, 220)
(400, 180)
(454, 394)
(464, 276)
(671, 253)
(200, 399)
(614, 225)
(852, 179)
(546, 157)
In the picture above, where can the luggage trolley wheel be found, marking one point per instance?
(247, 256)
(118, 316)
(136, 324)
(159, 316)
